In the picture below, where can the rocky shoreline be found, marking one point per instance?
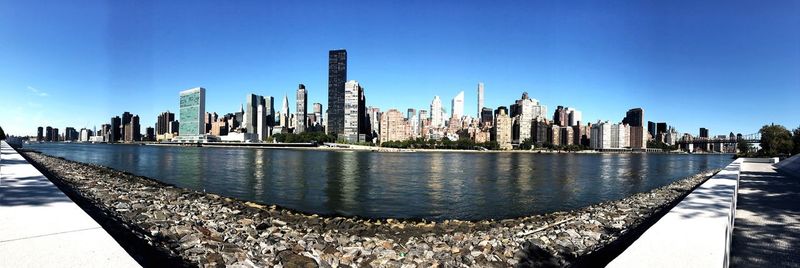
(208, 230)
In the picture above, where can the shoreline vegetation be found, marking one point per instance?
(202, 229)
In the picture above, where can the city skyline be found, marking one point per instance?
(37, 95)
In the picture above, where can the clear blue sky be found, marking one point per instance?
(725, 65)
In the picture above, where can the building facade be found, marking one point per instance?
(337, 77)
(301, 110)
(192, 109)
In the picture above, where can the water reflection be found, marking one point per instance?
(425, 185)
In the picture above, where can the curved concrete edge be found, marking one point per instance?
(790, 165)
(41, 227)
(695, 233)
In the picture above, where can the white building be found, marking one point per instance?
(84, 135)
(351, 95)
(437, 113)
(574, 117)
(457, 105)
(285, 116)
(480, 99)
(601, 136)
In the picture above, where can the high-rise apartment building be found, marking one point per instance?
(192, 109)
(353, 92)
(162, 122)
(502, 128)
(524, 111)
(457, 105)
(560, 117)
(480, 100)
(39, 134)
(302, 109)
(318, 114)
(393, 126)
(337, 77)
(601, 136)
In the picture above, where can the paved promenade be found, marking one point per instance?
(767, 225)
(42, 227)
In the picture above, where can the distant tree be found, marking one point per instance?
(796, 138)
(526, 144)
(775, 140)
(744, 147)
(2, 134)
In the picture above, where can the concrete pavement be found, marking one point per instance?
(767, 224)
(42, 227)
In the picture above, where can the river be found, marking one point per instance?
(430, 185)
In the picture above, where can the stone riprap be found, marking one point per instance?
(210, 230)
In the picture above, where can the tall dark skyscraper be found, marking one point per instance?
(337, 76)
(661, 127)
(634, 117)
(703, 132)
(651, 128)
(39, 134)
(48, 134)
(116, 132)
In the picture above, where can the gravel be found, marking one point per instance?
(214, 231)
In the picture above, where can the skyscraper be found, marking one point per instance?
(523, 112)
(634, 118)
(39, 134)
(285, 112)
(250, 120)
(126, 123)
(318, 114)
(192, 109)
(457, 107)
(437, 113)
(302, 109)
(48, 133)
(661, 127)
(480, 100)
(337, 76)
(703, 132)
(162, 124)
(352, 90)
(651, 128)
(393, 126)
(114, 134)
(502, 128)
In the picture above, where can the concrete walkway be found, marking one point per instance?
(767, 226)
(42, 227)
